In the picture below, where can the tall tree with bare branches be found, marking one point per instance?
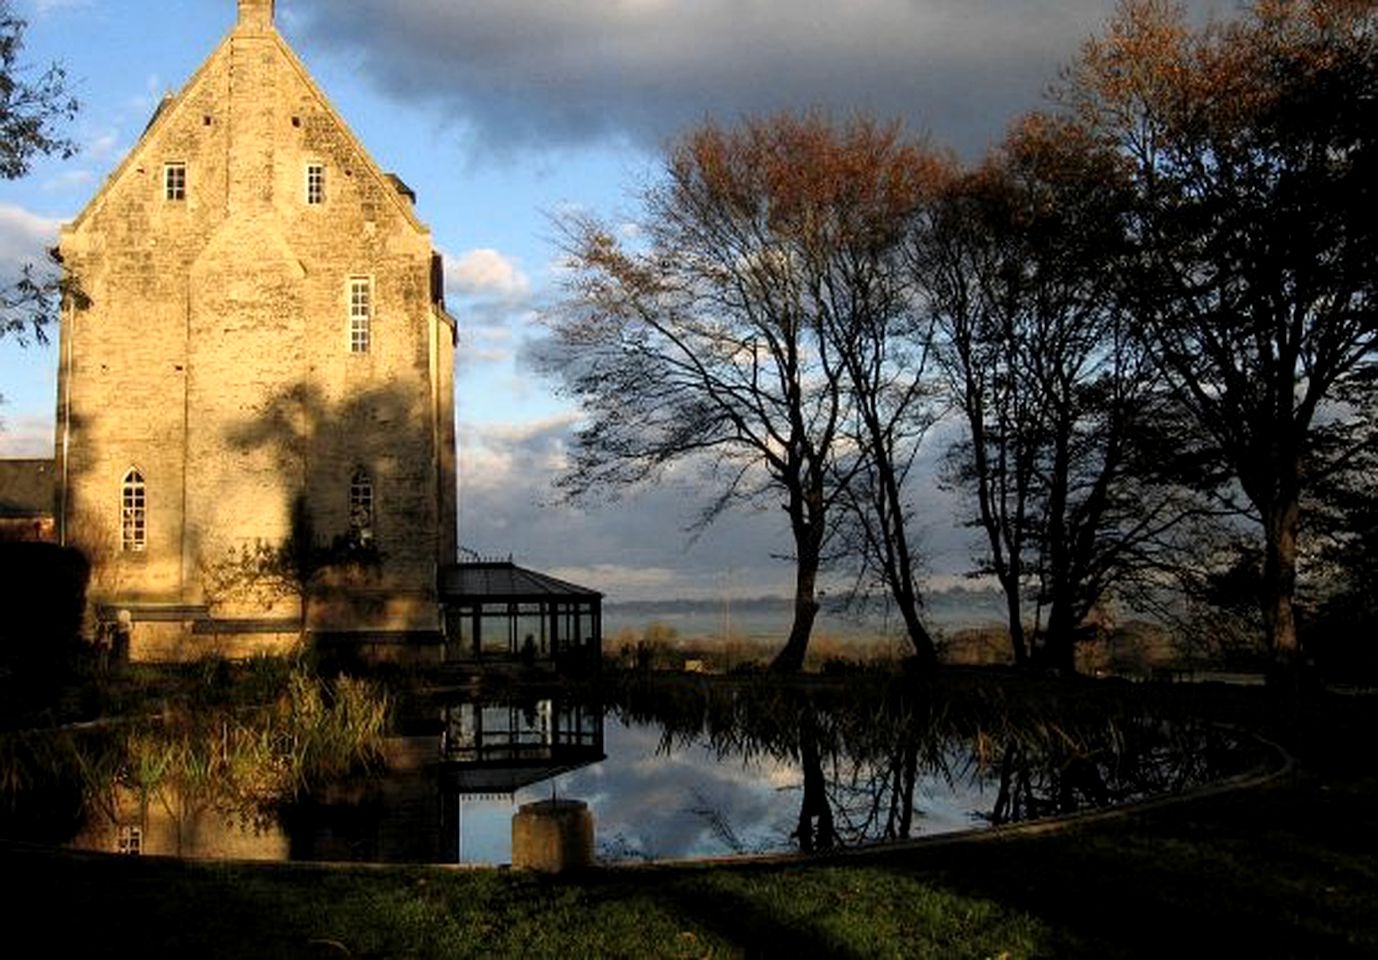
(1019, 264)
(1253, 145)
(714, 337)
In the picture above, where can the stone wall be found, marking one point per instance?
(214, 356)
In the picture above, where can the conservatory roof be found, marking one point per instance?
(504, 580)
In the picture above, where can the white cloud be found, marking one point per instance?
(487, 274)
(614, 578)
(103, 146)
(24, 236)
(70, 180)
(26, 436)
(513, 456)
(45, 7)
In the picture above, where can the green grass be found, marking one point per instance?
(1289, 870)
(1285, 870)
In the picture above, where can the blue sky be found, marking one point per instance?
(502, 113)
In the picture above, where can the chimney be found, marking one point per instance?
(256, 16)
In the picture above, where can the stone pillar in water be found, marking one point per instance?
(552, 836)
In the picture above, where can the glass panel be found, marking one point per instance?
(495, 633)
(530, 630)
(461, 729)
(459, 629)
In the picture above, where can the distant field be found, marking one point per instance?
(768, 618)
(968, 624)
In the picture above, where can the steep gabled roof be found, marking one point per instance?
(171, 105)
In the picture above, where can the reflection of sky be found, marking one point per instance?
(689, 803)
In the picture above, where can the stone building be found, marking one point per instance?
(26, 499)
(259, 358)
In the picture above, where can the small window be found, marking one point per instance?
(360, 508)
(129, 841)
(315, 184)
(133, 513)
(360, 314)
(175, 181)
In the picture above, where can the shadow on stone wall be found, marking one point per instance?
(348, 567)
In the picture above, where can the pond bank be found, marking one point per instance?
(1289, 868)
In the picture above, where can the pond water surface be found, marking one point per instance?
(668, 771)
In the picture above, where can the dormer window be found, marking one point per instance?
(175, 181)
(315, 184)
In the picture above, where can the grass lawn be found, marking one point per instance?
(1286, 870)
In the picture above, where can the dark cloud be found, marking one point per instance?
(536, 74)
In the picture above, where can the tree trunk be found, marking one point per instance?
(1057, 643)
(900, 571)
(1280, 580)
(1009, 583)
(894, 553)
(791, 658)
(815, 831)
(1059, 647)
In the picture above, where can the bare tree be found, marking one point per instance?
(713, 337)
(32, 107)
(1020, 266)
(874, 321)
(1252, 145)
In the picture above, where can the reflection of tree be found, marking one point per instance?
(863, 751)
(816, 830)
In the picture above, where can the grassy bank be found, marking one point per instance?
(1290, 869)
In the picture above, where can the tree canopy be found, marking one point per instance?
(721, 334)
(33, 108)
(1253, 145)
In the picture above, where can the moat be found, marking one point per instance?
(680, 769)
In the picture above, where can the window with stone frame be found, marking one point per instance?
(133, 513)
(129, 840)
(360, 508)
(175, 181)
(315, 184)
(360, 314)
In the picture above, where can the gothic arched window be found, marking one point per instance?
(360, 507)
(133, 513)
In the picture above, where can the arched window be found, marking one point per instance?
(133, 513)
(361, 507)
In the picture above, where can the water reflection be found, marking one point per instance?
(669, 770)
(878, 760)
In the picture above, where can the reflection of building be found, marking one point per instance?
(506, 736)
(260, 349)
(171, 825)
(426, 811)
(426, 807)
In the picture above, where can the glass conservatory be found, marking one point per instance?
(498, 612)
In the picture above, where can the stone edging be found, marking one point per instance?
(1253, 779)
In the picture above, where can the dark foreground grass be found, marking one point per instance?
(1286, 870)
